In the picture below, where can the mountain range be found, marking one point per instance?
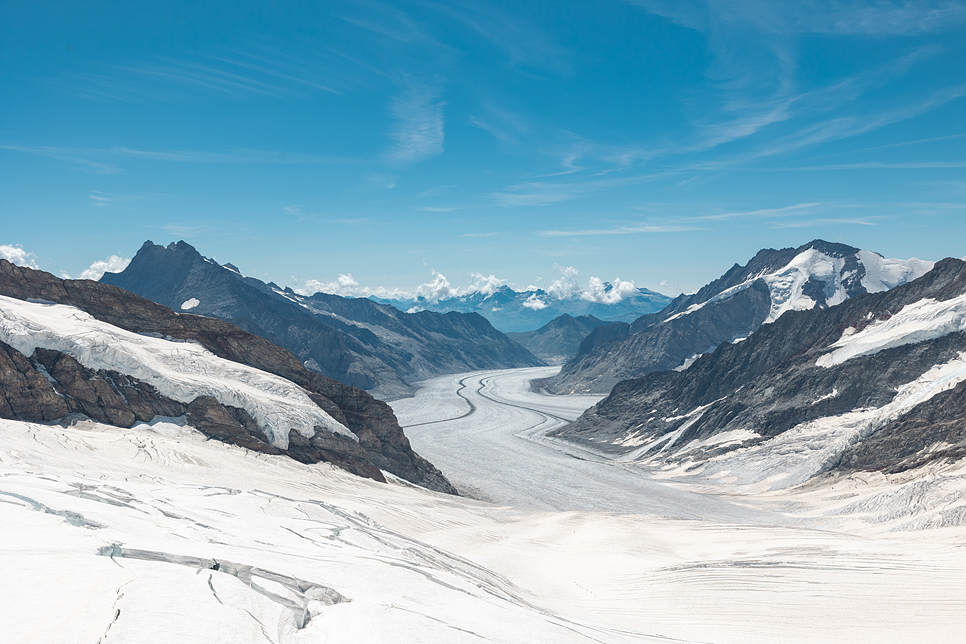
(819, 274)
(77, 348)
(354, 340)
(522, 311)
(559, 339)
(875, 383)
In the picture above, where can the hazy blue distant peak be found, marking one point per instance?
(484, 287)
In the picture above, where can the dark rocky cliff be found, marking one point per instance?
(354, 340)
(772, 382)
(559, 339)
(729, 308)
(28, 393)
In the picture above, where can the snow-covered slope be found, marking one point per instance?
(71, 347)
(180, 370)
(817, 275)
(877, 383)
(354, 340)
(153, 534)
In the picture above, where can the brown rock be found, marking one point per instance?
(371, 420)
(25, 393)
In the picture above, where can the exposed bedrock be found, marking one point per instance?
(774, 381)
(25, 395)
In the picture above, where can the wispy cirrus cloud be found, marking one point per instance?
(85, 159)
(811, 223)
(418, 114)
(545, 193)
(785, 211)
(253, 69)
(107, 160)
(525, 43)
(878, 165)
(634, 229)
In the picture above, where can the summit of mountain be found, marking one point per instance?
(818, 274)
(78, 347)
(558, 340)
(354, 340)
(874, 384)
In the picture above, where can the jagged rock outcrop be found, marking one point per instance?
(357, 341)
(559, 339)
(873, 383)
(30, 394)
(819, 274)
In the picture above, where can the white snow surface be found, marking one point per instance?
(624, 557)
(785, 285)
(189, 304)
(182, 371)
(882, 274)
(917, 322)
(813, 447)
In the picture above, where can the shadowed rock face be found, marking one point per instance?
(354, 340)
(729, 308)
(28, 394)
(771, 382)
(559, 339)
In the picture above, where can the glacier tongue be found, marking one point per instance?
(179, 370)
(918, 322)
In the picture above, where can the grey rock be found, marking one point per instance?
(695, 324)
(559, 339)
(354, 340)
(384, 442)
(770, 383)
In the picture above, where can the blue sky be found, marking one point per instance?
(653, 141)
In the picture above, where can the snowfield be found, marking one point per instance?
(179, 370)
(786, 285)
(154, 534)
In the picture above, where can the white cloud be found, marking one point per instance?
(436, 290)
(599, 292)
(487, 285)
(344, 285)
(566, 287)
(419, 123)
(439, 289)
(112, 264)
(347, 286)
(535, 303)
(17, 255)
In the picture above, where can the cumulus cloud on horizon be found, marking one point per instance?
(15, 254)
(113, 264)
(439, 288)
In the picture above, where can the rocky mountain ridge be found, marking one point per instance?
(354, 340)
(819, 274)
(46, 385)
(559, 339)
(876, 383)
